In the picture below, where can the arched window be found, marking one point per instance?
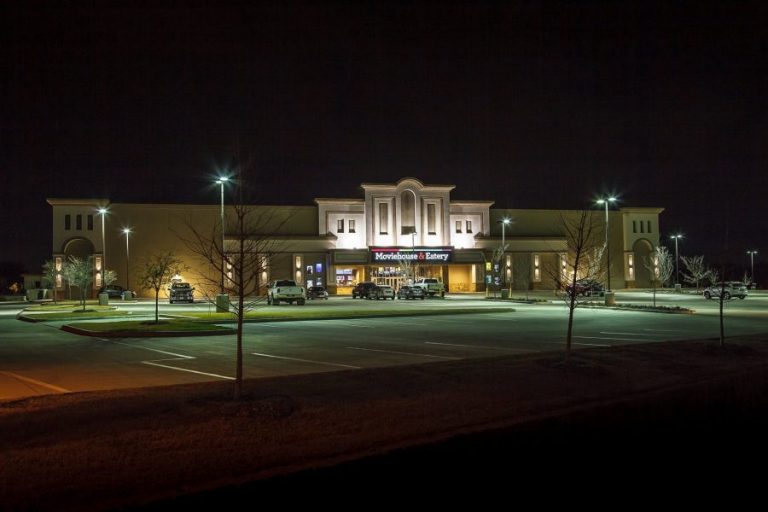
(408, 211)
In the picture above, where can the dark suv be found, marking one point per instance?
(181, 292)
(362, 290)
(113, 291)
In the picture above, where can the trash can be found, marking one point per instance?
(103, 299)
(127, 295)
(504, 293)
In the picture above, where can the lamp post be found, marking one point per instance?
(752, 264)
(127, 232)
(607, 230)
(504, 222)
(413, 251)
(221, 181)
(676, 237)
(103, 213)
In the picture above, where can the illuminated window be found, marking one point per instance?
(340, 226)
(631, 267)
(458, 226)
(97, 262)
(319, 268)
(79, 222)
(67, 222)
(536, 268)
(383, 218)
(97, 281)
(469, 226)
(351, 225)
(90, 222)
(431, 219)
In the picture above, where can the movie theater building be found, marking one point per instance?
(393, 232)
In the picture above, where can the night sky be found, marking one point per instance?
(533, 105)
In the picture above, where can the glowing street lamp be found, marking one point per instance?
(221, 181)
(676, 237)
(752, 263)
(127, 232)
(607, 229)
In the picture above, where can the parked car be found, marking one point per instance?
(382, 291)
(732, 289)
(431, 286)
(411, 292)
(114, 291)
(317, 292)
(585, 287)
(362, 290)
(181, 292)
(285, 290)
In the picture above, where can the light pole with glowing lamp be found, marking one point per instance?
(676, 237)
(413, 251)
(752, 264)
(222, 301)
(607, 230)
(502, 264)
(103, 212)
(127, 232)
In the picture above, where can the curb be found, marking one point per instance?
(144, 334)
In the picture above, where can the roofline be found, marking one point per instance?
(54, 201)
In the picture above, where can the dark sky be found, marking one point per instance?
(530, 104)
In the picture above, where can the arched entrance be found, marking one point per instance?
(642, 250)
(80, 248)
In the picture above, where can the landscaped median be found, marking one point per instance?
(206, 324)
(69, 312)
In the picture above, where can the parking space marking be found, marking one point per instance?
(609, 338)
(561, 343)
(177, 357)
(479, 346)
(35, 382)
(626, 333)
(663, 330)
(402, 353)
(306, 361)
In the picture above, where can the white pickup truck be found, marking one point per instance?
(431, 286)
(284, 290)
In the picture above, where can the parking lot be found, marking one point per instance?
(39, 358)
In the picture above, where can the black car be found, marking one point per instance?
(410, 292)
(113, 291)
(363, 290)
(317, 292)
(586, 287)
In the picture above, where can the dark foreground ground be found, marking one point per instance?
(677, 420)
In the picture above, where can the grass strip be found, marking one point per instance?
(277, 315)
(174, 325)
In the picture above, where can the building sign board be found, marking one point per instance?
(435, 255)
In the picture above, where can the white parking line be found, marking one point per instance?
(403, 353)
(626, 333)
(610, 338)
(663, 330)
(306, 361)
(177, 357)
(479, 346)
(36, 382)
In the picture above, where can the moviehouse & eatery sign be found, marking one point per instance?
(431, 255)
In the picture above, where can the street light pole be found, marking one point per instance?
(103, 213)
(413, 251)
(677, 269)
(127, 232)
(221, 181)
(752, 264)
(607, 239)
(502, 263)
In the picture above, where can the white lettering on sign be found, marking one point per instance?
(423, 256)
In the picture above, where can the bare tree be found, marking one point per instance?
(79, 273)
(661, 267)
(584, 238)
(110, 276)
(696, 270)
(156, 272)
(49, 275)
(253, 233)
